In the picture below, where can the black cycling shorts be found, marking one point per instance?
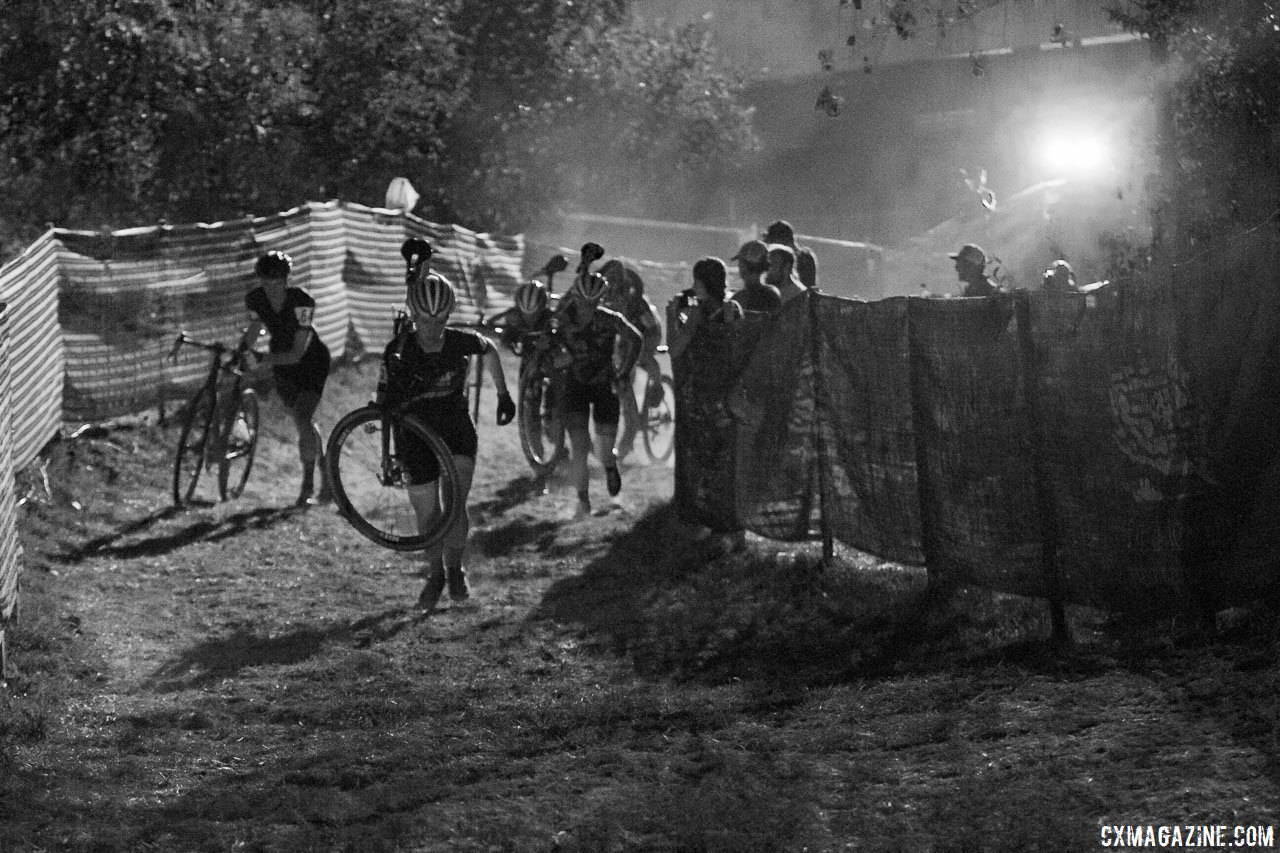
(449, 420)
(309, 374)
(597, 402)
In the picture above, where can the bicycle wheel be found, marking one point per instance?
(658, 424)
(193, 441)
(538, 437)
(239, 446)
(630, 418)
(370, 482)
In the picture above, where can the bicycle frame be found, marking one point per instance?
(234, 365)
(206, 434)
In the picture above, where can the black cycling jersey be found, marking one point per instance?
(442, 376)
(294, 317)
(591, 343)
(410, 371)
(309, 373)
(520, 331)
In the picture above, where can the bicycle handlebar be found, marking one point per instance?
(216, 347)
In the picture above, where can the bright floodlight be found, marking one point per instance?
(1073, 150)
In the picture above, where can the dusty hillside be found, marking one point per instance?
(246, 676)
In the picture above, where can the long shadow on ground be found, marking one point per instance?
(774, 612)
(208, 530)
(223, 657)
(513, 494)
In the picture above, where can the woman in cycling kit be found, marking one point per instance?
(427, 363)
(298, 359)
(591, 334)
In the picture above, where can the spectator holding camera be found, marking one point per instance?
(699, 305)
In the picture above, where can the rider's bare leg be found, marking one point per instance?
(310, 447)
(579, 450)
(444, 559)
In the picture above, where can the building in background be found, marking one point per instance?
(871, 137)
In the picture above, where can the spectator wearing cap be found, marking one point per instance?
(806, 264)
(700, 305)
(1059, 278)
(971, 269)
(755, 295)
(782, 273)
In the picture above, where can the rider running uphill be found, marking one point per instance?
(426, 363)
(602, 348)
(298, 359)
(528, 323)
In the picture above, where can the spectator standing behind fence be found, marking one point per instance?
(702, 304)
(806, 263)
(755, 295)
(1059, 278)
(782, 274)
(298, 359)
(971, 269)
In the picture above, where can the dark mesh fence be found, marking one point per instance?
(1117, 448)
(774, 419)
(974, 437)
(1229, 348)
(1117, 430)
(868, 429)
(706, 440)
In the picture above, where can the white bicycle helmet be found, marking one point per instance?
(531, 297)
(590, 287)
(431, 294)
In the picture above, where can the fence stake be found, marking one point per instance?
(1047, 504)
(939, 586)
(820, 402)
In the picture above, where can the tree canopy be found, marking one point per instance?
(1220, 61)
(120, 112)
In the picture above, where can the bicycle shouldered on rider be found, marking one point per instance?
(600, 348)
(425, 365)
(525, 329)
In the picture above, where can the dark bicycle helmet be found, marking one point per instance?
(274, 265)
(430, 294)
(590, 287)
(531, 297)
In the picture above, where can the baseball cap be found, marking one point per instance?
(778, 249)
(780, 231)
(754, 252)
(970, 253)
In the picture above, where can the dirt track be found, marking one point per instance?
(246, 676)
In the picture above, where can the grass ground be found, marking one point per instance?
(247, 676)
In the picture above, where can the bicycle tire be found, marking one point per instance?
(378, 506)
(535, 433)
(237, 457)
(193, 442)
(658, 424)
(630, 418)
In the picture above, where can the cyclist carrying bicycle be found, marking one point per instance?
(594, 337)
(298, 359)
(427, 363)
(526, 327)
(627, 297)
